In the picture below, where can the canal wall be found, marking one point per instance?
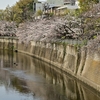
(8, 43)
(78, 61)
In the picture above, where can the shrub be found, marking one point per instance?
(51, 14)
(39, 13)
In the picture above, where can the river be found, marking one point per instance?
(26, 78)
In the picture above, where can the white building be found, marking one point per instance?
(57, 3)
(37, 6)
(71, 5)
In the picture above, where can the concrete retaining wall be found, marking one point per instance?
(8, 43)
(82, 65)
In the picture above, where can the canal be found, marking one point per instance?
(25, 78)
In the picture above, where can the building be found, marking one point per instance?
(73, 4)
(60, 2)
(55, 3)
(59, 6)
(37, 6)
(55, 6)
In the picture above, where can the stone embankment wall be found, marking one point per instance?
(80, 63)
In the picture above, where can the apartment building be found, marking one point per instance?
(57, 6)
(59, 2)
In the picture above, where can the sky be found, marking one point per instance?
(4, 3)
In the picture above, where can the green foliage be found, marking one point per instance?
(98, 20)
(51, 14)
(85, 42)
(13, 13)
(26, 6)
(7, 13)
(85, 5)
(66, 11)
(16, 14)
(77, 12)
(39, 12)
(2, 15)
(87, 20)
(20, 12)
(95, 37)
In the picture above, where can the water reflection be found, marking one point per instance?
(25, 78)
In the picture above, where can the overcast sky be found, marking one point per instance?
(4, 3)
